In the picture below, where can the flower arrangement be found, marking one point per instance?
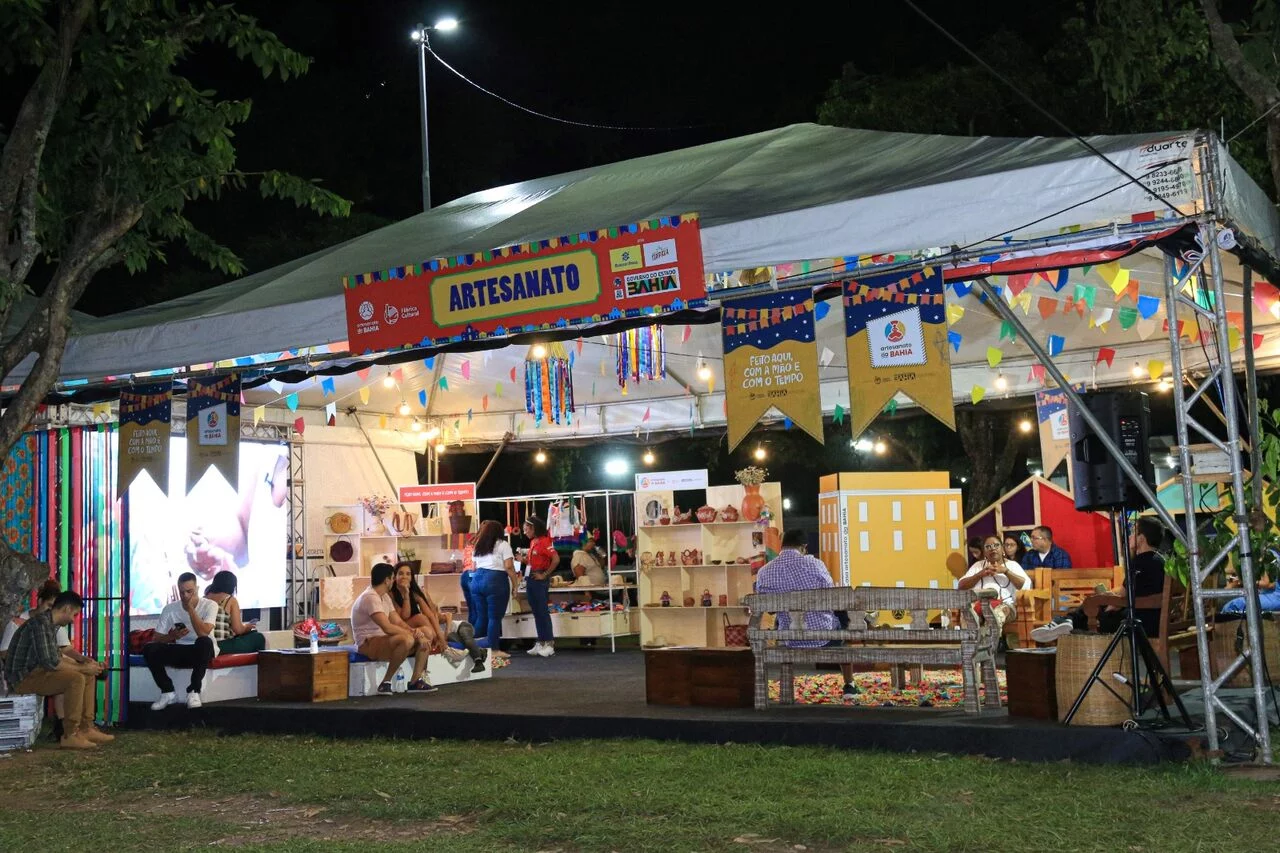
(376, 505)
(751, 475)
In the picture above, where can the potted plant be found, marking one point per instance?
(752, 503)
(375, 507)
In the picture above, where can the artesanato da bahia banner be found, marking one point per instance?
(895, 329)
(145, 421)
(213, 428)
(770, 361)
(593, 276)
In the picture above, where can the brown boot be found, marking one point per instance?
(75, 740)
(95, 735)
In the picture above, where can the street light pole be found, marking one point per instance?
(422, 96)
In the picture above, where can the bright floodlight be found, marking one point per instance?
(649, 458)
(616, 467)
(704, 373)
(1024, 425)
(538, 351)
(540, 457)
(416, 35)
(1038, 472)
(760, 454)
(786, 503)
(880, 447)
(444, 25)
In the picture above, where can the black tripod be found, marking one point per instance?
(1158, 681)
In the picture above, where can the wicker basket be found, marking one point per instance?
(1223, 646)
(1077, 655)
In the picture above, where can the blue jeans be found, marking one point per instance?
(491, 591)
(464, 581)
(1268, 601)
(537, 593)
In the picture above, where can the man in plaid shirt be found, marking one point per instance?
(793, 571)
(35, 665)
(1043, 553)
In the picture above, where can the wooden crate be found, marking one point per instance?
(1031, 679)
(286, 676)
(715, 678)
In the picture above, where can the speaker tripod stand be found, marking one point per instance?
(1140, 649)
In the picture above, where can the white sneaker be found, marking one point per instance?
(1052, 632)
(536, 651)
(165, 700)
(193, 700)
(548, 650)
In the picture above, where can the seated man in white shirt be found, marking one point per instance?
(183, 640)
(381, 634)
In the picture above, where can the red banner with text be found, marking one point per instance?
(612, 273)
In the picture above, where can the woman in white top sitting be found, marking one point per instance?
(588, 562)
(995, 572)
(491, 586)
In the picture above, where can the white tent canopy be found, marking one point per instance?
(799, 193)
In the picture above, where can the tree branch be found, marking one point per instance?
(25, 145)
(1256, 87)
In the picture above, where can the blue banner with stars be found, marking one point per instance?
(896, 340)
(771, 362)
(145, 421)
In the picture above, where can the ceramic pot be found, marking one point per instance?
(752, 503)
(729, 513)
(706, 515)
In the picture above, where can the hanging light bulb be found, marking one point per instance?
(649, 458)
(439, 448)
(388, 381)
(1001, 383)
(1025, 425)
(880, 448)
(404, 408)
(416, 426)
(704, 372)
(540, 457)
(760, 454)
(432, 432)
(1137, 370)
(539, 351)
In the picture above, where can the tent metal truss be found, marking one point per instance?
(300, 597)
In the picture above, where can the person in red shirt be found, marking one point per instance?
(542, 560)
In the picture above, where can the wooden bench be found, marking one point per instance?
(918, 644)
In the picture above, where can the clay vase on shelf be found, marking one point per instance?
(665, 518)
(752, 503)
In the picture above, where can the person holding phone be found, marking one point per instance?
(183, 640)
(233, 635)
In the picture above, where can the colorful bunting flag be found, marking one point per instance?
(954, 313)
(444, 383)
(258, 413)
(422, 397)
(1106, 354)
(1127, 316)
(1155, 368)
(953, 338)
(1006, 328)
(977, 393)
(331, 413)
(1047, 306)
(497, 391)
(275, 385)
(429, 362)
(466, 370)
(825, 358)
(363, 373)
(327, 387)
(891, 407)
(292, 401)
(684, 337)
(645, 416)
(1056, 343)
(382, 421)
(299, 425)
(484, 403)
(1148, 306)
(994, 356)
(837, 417)
(364, 395)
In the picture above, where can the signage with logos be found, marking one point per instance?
(213, 428)
(671, 481)
(591, 277)
(427, 493)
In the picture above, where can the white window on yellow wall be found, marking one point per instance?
(864, 541)
(931, 540)
(897, 540)
(953, 511)
(955, 539)
(862, 511)
(928, 511)
(897, 510)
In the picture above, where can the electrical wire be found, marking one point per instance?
(426, 44)
(1236, 135)
(1007, 82)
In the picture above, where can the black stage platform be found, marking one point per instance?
(590, 693)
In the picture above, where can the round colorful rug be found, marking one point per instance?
(938, 689)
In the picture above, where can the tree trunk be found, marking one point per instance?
(991, 442)
(19, 574)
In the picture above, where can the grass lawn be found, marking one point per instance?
(178, 791)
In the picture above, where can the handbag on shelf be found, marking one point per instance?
(432, 526)
(734, 635)
(404, 523)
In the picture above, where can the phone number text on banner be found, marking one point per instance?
(612, 273)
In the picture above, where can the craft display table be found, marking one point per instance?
(1030, 676)
(714, 678)
(287, 675)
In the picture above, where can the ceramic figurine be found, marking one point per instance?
(706, 598)
(729, 513)
(706, 515)
(671, 558)
(660, 560)
(688, 601)
(665, 518)
(724, 601)
(666, 599)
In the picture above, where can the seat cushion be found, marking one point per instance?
(220, 662)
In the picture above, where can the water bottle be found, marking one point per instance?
(399, 685)
(315, 641)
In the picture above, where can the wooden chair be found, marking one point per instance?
(1070, 587)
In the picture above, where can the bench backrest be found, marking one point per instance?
(857, 600)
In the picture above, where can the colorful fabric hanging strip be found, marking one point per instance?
(640, 355)
(78, 529)
(548, 386)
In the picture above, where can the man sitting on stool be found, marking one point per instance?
(183, 640)
(1146, 573)
(381, 634)
(793, 571)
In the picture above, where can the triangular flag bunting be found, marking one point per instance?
(1107, 355)
(429, 362)
(1148, 306)
(1155, 368)
(331, 413)
(513, 373)
(364, 395)
(994, 356)
(497, 391)
(363, 373)
(422, 397)
(954, 313)
(825, 358)
(1019, 283)
(977, 393)
(1006, 328)
(1257, 340)
(953, 338)
(398, 374)
(1127, 316)
(1063, 276)
(382, 421)
(299, 425)
(838, 416)
(1234, 338)
(275, 385)
(484, 403)
(684, 336)
(466, 370)
(444, 383)
(1047, 306)
(258, 413)
(1102, 317)
(645, 416)
(1056, 343)
(891, 407)
(326, 386)
(1037, 373)
(1024, 302)
(292, 401)
(1146, 328)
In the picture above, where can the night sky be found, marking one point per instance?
(709, 71)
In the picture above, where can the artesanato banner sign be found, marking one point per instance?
(896, 340)
(213, 428)
(145, 412)
(612, 273)
(673, 481)
(770, 362)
